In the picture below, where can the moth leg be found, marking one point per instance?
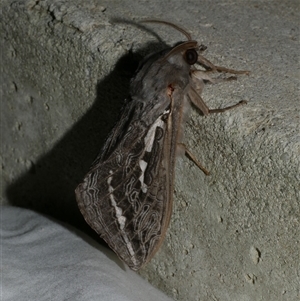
(199, 103)
(205, 76)
(240, 103)
(209, 66)
(193, 158)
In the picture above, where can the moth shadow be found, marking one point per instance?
(48, 187)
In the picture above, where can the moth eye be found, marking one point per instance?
(191, 56)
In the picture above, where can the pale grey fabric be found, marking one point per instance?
(43, 260)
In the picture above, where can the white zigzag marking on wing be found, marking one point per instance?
(149, 140)
(143, 165)
(121, 219)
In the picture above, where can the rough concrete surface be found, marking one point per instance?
(65, 69)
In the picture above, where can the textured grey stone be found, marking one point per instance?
(234, 235)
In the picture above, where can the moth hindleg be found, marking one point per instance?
(193, 158)
(240, 103)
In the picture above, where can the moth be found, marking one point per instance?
(126, 196)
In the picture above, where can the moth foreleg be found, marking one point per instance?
(193, 158)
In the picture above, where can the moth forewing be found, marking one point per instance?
(126, 197)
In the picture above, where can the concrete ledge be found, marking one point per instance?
(65, 71)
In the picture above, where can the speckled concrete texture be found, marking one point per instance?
(65, 70)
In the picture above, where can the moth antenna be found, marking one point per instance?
(188, 36)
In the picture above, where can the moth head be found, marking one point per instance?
(191, 56)
(188, 49)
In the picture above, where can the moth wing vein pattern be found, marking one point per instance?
(127, 194)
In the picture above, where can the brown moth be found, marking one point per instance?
(126, 196)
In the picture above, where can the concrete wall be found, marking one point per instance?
(65, 69)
